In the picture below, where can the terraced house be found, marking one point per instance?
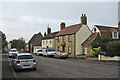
(69, 39)
(48, 40)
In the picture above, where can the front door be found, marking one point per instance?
(63, 48)
(85, 50)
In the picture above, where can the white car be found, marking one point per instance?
(12, 52)
(39, 52)
(23, 61)
(50, 52)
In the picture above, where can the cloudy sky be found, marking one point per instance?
(24, 19)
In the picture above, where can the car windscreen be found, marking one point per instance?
(62, 52)
(25, 57)
(39, 50)
(51, 50)
(13, 50)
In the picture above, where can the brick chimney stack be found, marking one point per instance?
(84, 19)
(48, 30)
(62, 25)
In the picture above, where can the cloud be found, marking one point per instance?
(26, 26)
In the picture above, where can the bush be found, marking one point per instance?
(95, 52)
(113, 49)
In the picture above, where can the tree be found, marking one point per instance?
(18, 43)
(4, 42)
(113, 49)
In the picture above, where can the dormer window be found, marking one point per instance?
(115, 35)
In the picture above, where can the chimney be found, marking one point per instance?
(44, 34)
(84, 19)
(119, 27)
(48, 30)
(62, 25)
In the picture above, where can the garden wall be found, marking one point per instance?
(102, 57)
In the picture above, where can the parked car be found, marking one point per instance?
(23, 61)
(50, 52)
(44, 52)
(12, 52)
(39, 52)
(61, 54)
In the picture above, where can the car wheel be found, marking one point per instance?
(34, 69)
(16, 70)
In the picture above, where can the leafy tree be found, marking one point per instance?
(4, 42)
(113, 49)
(97, 42)
(95, 52)
(18, 44)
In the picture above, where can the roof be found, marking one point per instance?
(106, 31)
(36, 39)
(69, 30)
(50, 36)
(90, 39)
(19, 54)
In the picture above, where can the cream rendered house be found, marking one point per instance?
(48, 40)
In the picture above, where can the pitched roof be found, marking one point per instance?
(69, 30)
(50, 36)
(36, 39)
(106, 31)
(90, 39)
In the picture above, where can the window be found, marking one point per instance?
(58, 39)
(58, 48)
(69, 37)
(50, 41)
(69, 49)
(46, 41)
(115, 35)
(95, 30)
(63, 38)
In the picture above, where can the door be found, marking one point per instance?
(85, 50)
(63, 48)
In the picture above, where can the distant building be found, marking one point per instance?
(35, 41)
(48, 40)
(105, 31)
(70, 39)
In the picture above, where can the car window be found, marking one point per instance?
(13, 50)
(39, 50)
(25, 57)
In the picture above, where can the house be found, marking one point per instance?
(35, 41)
(48, 40)
(105, 31)
(69, 39)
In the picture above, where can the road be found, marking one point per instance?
(61, 68)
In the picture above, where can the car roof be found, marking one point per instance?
(13, 49)
(19, 54)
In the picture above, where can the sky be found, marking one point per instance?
(24, 19)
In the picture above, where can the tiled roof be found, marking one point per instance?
(90, 39)
(50, 36)
(36, 39)
(69, 30)
(106, 31)
(106, 28)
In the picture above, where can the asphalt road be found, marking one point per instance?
(61, 68)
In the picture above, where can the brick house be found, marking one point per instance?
(105, 31)
(69, 39)
(35, 41)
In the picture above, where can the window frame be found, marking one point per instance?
(70, 38)
(69, 49)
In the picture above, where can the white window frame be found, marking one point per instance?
(85, 49)
(63, 38)
(69, 49)
(69, 38)
(113, 35)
